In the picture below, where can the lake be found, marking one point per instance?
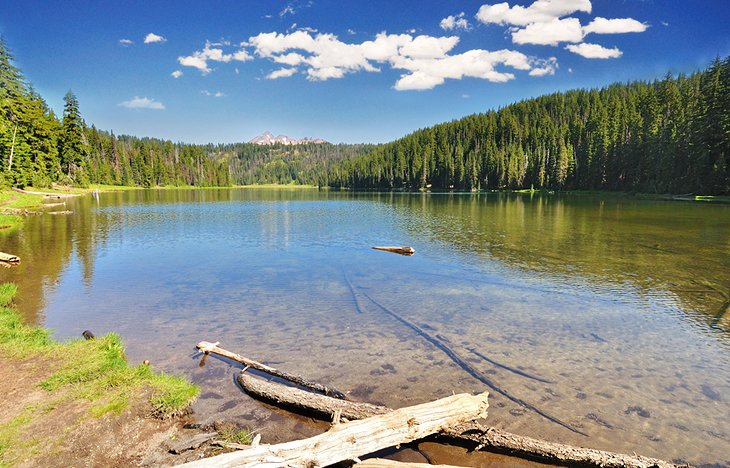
(599, 318)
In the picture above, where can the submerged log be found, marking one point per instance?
(473, 434)
(307, 401)
(407, 251)
(351, 440)
(207, 347)
(9, 258)
(471, 370)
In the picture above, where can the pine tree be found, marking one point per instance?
(72, 146)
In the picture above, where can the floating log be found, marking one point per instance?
(207, 347)
(52, 204)
(9, 258)
(490, 439)
(59, 212)
(348, 441)
(407, 251)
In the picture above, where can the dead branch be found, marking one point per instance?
(207, 347)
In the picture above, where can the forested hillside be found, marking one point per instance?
(668, 136)
(671, 135)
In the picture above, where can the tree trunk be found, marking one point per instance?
(351, 440)
(470, 433)
(12, 148)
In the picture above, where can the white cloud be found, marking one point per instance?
(594, 51)
(281, 73)
(142, 103)
(288, 10)
(455, 22)
(152, 38)
(614, 26)
(548, 22)
(426, 61)
(665, 23)
(549, 33)
(351, 32)
(540, 11)
(208, 93)
(176, 74)
(125, 42)
(544, 67)
(199, 59)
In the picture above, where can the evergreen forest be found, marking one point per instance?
(667, 136)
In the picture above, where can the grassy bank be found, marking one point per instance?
(93, 373)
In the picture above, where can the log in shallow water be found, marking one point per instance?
(208, 347)
(470, 433)
(357, 438)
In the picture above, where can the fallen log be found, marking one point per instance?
(302, 400)
(207, 347)
(490, 439)
(351, 440)
(9, 258)
(471, 370)
(407, 251)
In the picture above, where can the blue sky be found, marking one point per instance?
(366, 71)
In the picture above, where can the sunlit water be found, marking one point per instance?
(616, 302)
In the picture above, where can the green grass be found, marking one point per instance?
(231, 433)
(12, 200)
(93, 370)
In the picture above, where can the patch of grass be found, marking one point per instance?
(232, 433)
(11, 200)
(10, 432)
(92, 369)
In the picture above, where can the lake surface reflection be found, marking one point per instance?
(616, 305)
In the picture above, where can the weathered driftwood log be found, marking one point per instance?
(473, 434)
(351, 440)
(207, 347)
(59, 212)
(307, 401)
(407, 251)
(8, 258)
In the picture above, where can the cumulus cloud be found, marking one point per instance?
(281, 73)
(544, 67)
(199, 59)
(455, 22)
(614, 26)
(151, 38)
(426, 60)
(540, 11)
(125, 42)
(549, 33)
(142, 103)
(176, 74)
(594, 51)
(549, 22)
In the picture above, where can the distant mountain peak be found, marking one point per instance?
(268, 138)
